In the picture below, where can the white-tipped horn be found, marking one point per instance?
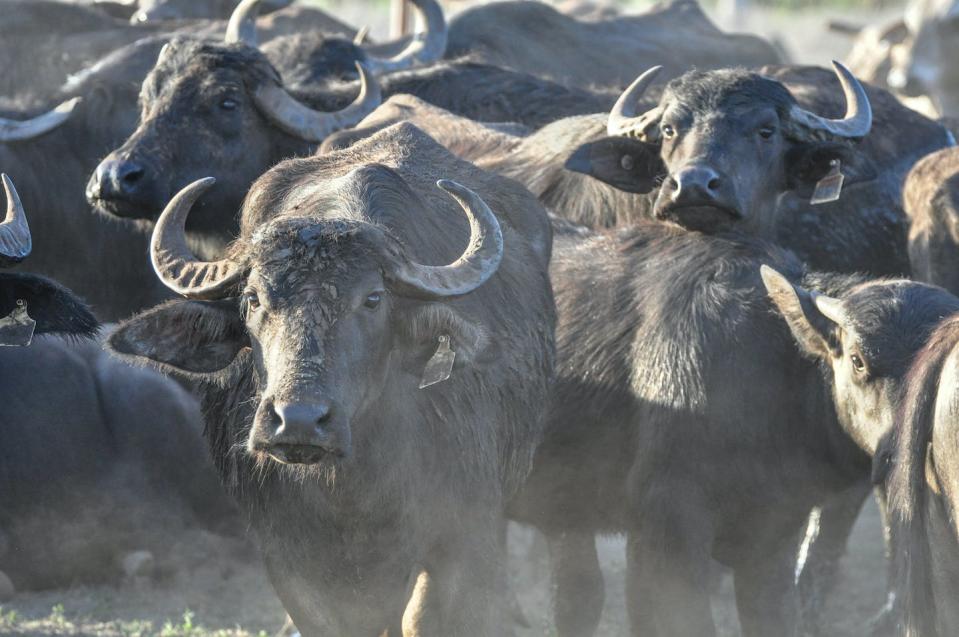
(15, 131)
(302, 121)
(426, 47)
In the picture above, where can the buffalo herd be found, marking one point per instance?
(588, 272)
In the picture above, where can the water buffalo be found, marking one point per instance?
(930, 200)
(97, 111)
(913, 56)
(221, 109)
(536, 38)
(311, 339)
(692, 138)
(922, 490)
(716, 436)
(85, 469)
(54, 308)
(887, 350)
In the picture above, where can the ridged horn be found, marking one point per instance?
(625, 121)
(15, 240)
(473, 268)
(858, 119)
(15, 131)
(174, 262)
(302, 121)
(425, 47)
(242, 25)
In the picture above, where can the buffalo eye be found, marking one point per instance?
(766, 132)
(373, 300)
(627, 162)
(228, 104)
(668, 131)
(251, 301)
(858, 365)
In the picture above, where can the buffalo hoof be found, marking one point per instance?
(138, 564)
(7, 589)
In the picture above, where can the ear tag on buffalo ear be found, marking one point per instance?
(440, 366)
(829, 187)
(16, 329)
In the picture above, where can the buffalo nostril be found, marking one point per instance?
(713, 184)
(132, 175)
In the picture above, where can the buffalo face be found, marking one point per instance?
(328, 310)
(210, 109)
(867, 339)
(722, 147)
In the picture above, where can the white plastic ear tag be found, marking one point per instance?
(829, 188)
(16, 329)
(440, 366)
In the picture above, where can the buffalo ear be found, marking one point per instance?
(55, 309)
(815, 333)
(622, 162)
(194, 340)
(807, 163)
(423, 326)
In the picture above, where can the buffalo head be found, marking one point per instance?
(212, 108)
(866, 336)
(722, 146)
(325, 310)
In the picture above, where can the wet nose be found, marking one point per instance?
(117, 178)
(300, 422)
(696, 184)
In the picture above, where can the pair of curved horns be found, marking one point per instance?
(624, 120)
(15, 240)
(425, 47)
(15, 131)
(180, 270)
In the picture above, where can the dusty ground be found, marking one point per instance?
(225, 593)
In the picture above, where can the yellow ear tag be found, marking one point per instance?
(16, 329)
(829, 188)
(440, 366)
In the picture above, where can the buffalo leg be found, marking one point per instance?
(825, 544)
(667, 567)
(460, 593)
(578, 587)
(767, 597)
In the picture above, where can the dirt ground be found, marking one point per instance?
(225, 593)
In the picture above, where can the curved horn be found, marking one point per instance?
(858, 119)
(623, 118)
(361, 35)
(15, 131)
(15, 241)
(175, 263)
(242, 25)
(425, 47)
(315, 126)
(472, 269)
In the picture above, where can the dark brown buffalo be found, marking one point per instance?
(536, 38)
(88, 441)
(716, 437)
(931, 199)
(311, 339)
(222, 109)
(714, 174)
(888, 350)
